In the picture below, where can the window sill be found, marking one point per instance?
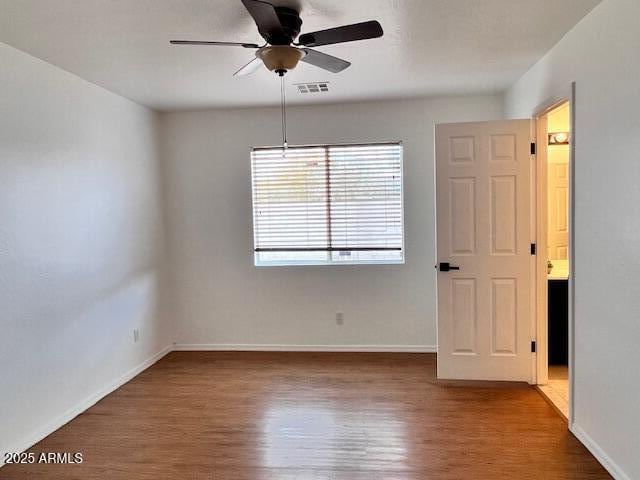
(327, 263)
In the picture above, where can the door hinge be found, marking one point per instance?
(533, 148)
(533, 249)
(533, 346)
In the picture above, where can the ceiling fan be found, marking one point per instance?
(280, 26)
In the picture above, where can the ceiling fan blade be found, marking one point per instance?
(347, 33)
(249, 68)
(322, 60)
(265, 16)
(221, 44)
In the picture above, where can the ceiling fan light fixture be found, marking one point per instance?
(280, 57)
(559, 138)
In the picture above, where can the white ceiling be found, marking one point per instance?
(429, 47)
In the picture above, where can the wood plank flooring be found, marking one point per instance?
(338, 416)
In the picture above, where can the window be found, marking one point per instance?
(332, 204)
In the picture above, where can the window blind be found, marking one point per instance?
(328, 204)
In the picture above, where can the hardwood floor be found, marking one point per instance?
(285, 416)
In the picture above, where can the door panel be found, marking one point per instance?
(462, 216)
(503, 215)
(504, 329)
(483, 226)
(558, 205)
(463, 315)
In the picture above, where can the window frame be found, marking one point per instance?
(328, 261)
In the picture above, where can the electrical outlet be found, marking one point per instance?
(136, 335)
(339, 318)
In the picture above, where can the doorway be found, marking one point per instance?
(495, 296)
(554, 268)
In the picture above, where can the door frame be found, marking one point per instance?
(541, 357)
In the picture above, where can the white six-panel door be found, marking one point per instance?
(483, 173)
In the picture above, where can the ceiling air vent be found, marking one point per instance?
(315, 87)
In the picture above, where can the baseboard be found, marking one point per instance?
(611, 466)
(87, 403)
(254, 347)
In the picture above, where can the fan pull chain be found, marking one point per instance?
(284, 112)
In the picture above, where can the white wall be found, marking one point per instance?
(80, 237)
(223, 299)
(602, 55)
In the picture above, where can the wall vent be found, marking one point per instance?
(315, 87)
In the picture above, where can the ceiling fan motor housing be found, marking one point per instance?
(290, 27)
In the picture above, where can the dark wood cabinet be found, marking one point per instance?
(558, 322)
